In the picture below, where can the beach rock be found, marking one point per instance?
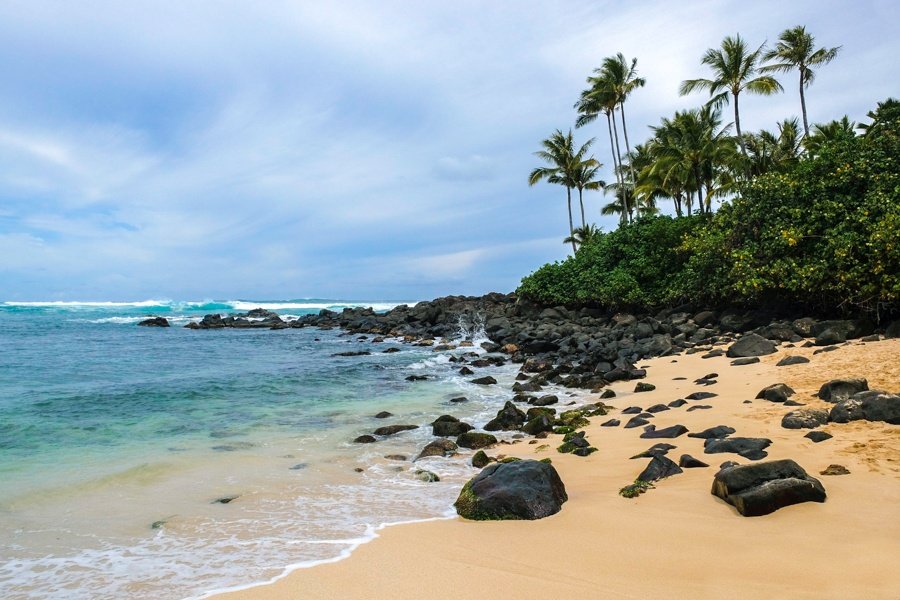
(747, 360)
(763, 488)
(575, 442)
(644, 387)
(390, 350)
(841, 389)
(713, 353)
(651, 432)
(397, 457)
(155, 322)
(538, 425)
(677, 403)
(225, 500)
(751, 345)
(480, 460)
(657, 408)
(383, 415)
(475, 440)
(426, 476)
(830, 337)
(713, 433)
(632, 410)
(525, 489)
(485, 380)
(777, 392)
(607, 393)
(893, 330)
(365, 439)
(791, 360)
(660, 449)
(804, 419)
(459, 399)
(508, 418)
(818, 436)
(438, 448)
(659, 467)
(353, 353)
(416, 377)
(750, 448)
(826, 349)
(689, 462)
(611, 423)
(544, 400)
(871, 405)
(393, 429)
(448, 426)
(635, 422)
(466, 371)
(835, 470)
(699, 407)
(701, 395)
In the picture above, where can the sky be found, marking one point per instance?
(353, 150)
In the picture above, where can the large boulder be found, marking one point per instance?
(475, 440)
(870, 405)
(841, 389)
(523, 489)
(763, 488)
(806, 418)
(751, 345)
(509, 417)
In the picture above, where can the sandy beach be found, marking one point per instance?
(677, 540)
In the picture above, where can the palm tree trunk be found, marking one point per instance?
(699, 190)
(612, 149)
(627, 145)
(737, 126)
(581, 204)
(571, 226)
(619, 156)
(803, 105)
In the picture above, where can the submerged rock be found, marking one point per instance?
(524, 489)
(440, 447)
(155, 322)
(763, 488)
(394, 429)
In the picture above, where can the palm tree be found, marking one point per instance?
(771, 152)
(735, 69)
(620, 78)
(823, 133)
(565, 164)
(585, 178)
(583, 235)
(594, 101)
(796, 50)
(884, 113)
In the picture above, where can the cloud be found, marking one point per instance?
(218, 149)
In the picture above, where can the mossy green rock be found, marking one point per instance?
(475, 440)
(518, 490)
(480, 460)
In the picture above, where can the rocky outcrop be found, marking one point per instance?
(760, 489)
(154, 322)
(524, 489)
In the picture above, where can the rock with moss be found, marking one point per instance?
(427, 476)
(635, 489)
(480, 460)
(572, 418)
(475, 440)
(519, 490)
(575, 443)
(508, 418)
(538, 425)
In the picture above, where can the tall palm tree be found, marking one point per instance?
(620, 78)
(796, 50)
(565, 163)
(735, 69)
(594, 101)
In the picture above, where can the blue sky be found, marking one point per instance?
(357, 150)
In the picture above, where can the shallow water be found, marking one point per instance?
(107, 428)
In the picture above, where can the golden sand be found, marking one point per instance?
(677, 540)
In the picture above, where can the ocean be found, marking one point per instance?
(118, 444)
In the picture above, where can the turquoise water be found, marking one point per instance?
(106, 428)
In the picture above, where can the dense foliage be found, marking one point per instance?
(821, 230)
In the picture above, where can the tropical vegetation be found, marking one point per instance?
(793, 215)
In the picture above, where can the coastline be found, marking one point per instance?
(694, 544)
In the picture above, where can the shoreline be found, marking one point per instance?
(419, 551)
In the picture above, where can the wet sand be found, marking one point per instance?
(677, 540)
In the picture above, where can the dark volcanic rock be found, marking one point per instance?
(660, 467)
(651, 432)
(660, 449)
(657, 408)
(438, 448)
(701, 395)
(699, 407)
(751, 345)
(611, 423)
(509, 417)
(747, 360)
(677, 403)
(841, 389)
(155, 322)
(365, 439)
(791, 360)
(777, 392)
(870, 405)
(607, 393)
(804, 419)
(466, 371)
(416, 377)
(818, 436)
(689, 462)
(544, 400)
(353, 353)
(538, 424)
(393, 429)
(713, 433)
(485, 380)
(524, 489)
(480, 460)
(751, 448)
(448, 426)
(835, 470)
(635, 422)
(763, 488)
(459, 399)
(383, 415)
(644, 387)
(632, 410)
(475, 440)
